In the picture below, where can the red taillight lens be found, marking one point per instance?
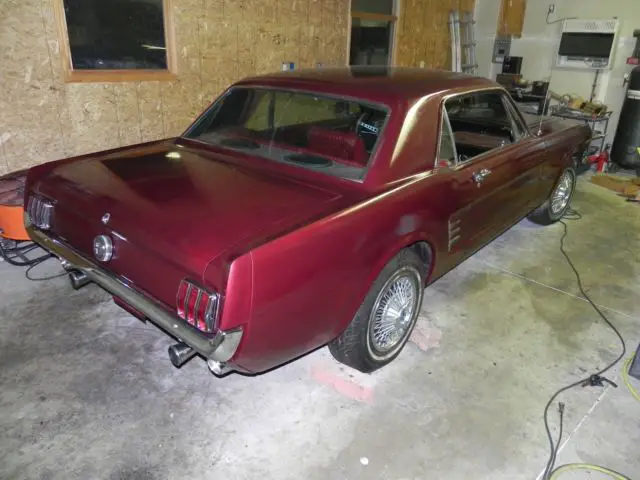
(197, 306)
(201, 314)
(192, 299)
(181, 299)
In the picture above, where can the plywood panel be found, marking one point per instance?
(93, 113)
(150, 108)
(213, 9)
(263, 12)
(315, 12)
(218, 41)
(511, 17)
(128, 113)
(423, 32)
(236, 11)
(247, 39)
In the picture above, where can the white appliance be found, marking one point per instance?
(587, 44)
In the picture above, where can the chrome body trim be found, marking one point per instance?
(154, 311)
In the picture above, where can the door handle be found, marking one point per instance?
(480, 175)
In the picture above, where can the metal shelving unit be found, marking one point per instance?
(599, 134)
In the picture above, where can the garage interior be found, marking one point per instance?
(87, 390)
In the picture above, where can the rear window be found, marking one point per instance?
(318, 132)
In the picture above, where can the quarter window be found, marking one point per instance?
(447, 149)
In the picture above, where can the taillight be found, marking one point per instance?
(197, 306)
(40, 212)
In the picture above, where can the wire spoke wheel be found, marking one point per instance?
(394, 311)
(562, 193)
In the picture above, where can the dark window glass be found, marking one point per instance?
(116, 34)
(585, 45)
(370, 42)
(309, 130)
(373, 6)
(480, 123)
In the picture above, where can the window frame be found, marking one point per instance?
(445, 123)
(384, 17)
(516, 116)
(511, 110)
(121, 75)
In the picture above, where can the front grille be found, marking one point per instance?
(40, 212)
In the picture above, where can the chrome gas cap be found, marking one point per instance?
(102, 248)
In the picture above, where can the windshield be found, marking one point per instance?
(334, 135)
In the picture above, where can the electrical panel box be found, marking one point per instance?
(501, 48)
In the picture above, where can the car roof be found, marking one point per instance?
(398, 82)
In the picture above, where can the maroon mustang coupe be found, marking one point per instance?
(303, 209)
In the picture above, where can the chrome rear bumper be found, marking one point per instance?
(219, 348)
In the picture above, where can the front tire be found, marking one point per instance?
(558, 202)
(383, 323)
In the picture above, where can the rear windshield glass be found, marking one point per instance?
(334, 135)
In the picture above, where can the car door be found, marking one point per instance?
(467, 202)
(494, 170)
(525, 163)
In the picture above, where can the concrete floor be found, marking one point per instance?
(86, 391)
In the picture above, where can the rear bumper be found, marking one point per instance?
(219, 348)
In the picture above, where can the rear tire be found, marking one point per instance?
(376, 335)
(558, 202)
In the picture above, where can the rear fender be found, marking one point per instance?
(393, 250)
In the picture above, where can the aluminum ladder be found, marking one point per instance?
(463, 44)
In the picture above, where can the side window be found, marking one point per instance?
(480, 122)
(517, 127)
(447, 148)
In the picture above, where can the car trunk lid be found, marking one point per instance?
(185, 206)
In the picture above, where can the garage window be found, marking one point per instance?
(116, 40)
(372, 32)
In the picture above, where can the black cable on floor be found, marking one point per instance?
(40, 279)
(595, 379)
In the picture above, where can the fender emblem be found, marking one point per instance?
(106, 217)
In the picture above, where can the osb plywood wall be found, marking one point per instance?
(43, 118)
(423, 32)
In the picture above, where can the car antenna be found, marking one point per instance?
(545, 105)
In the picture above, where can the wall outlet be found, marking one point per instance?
(552, 8)
(421, 63)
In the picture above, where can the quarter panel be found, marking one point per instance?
(562, 145)
(309, 284)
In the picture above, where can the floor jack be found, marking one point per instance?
(601, 160)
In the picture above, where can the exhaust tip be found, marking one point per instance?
(78, 279)
(219, 369)
(180, 353)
